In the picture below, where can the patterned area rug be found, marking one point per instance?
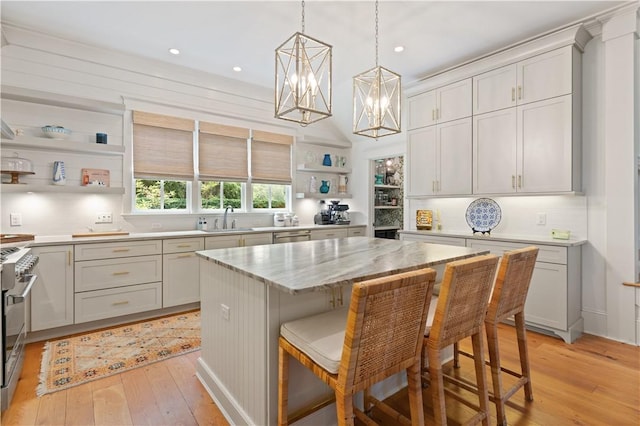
(79, 359)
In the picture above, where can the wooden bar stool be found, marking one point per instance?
(508, 299)
(460, 313)
(378, 336)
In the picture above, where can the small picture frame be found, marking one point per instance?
(95, 177)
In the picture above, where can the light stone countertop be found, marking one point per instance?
(525, 239)
(49, 240)
(315, 265)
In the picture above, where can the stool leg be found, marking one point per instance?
(496, 372)
(437, 387)
(456, 355)
(524, 355)
(283, 386)
(344, 408)
(415, 394)
(481, 376)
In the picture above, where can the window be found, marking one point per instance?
(219, 194)
(161, 195)
(247, 170)
(266, 196)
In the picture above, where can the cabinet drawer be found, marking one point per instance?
(360, 231)
(115, 250)
(100, 304)
(550, 254)
(102, 274)
(434, 239)
(329, 233)
(181, 245)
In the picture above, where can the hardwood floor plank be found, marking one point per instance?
(24, 406)
(205, 411)
(79, 409)
(172, 404)
(142, 404)
(52, 409)
(110, 405)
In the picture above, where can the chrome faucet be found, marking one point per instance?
(224, 219)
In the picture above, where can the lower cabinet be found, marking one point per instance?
(434, 239)
(180, 271)
(115, 279)
(52, 295)
(237, 240)
(113, 302)
(325, 234)
(357, 231)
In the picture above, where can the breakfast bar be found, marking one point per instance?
(247, 292)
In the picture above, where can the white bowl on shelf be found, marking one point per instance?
(56, 132)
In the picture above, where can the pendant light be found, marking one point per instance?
(303, 79)
(376, 100)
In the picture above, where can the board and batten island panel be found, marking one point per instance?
(247, 292)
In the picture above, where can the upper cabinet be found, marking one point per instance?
(534, 79)
(447, 103)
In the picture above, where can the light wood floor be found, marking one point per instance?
(594, 381)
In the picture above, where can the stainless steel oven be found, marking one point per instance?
(17, 280)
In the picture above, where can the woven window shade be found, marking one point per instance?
(271, 158)
(162, 146)
(223, 152)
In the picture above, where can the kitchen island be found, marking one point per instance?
(247, 292)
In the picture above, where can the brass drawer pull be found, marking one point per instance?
(184, 245)
(121, 250)
(123, 302)
(121, 273)
(180, 256)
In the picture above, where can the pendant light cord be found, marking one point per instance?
(302, 16)
(376, 33)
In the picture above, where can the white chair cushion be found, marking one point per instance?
(320, 336)
(431, 314)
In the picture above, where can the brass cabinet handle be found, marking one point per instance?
(69, 258)
(184, 245)
(121, 273)
(124, 302)
(513, 94)
(519, 181)
(184, 255)
(120, 250)
(513, 181)
(340, 296)
(519, 92)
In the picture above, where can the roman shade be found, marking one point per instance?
(162, 146)
(271, 157)
(223, 152)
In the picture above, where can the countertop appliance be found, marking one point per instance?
(334, 214)
(17, 266)
(291, 236)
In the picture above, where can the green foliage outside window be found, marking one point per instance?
(231, 195)
(149, 195)
(263, 193)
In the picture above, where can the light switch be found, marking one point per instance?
(542, 219)
(15, 219)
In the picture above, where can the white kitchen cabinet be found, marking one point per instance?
(440, 158)
(117, 278)
(534, 79)
(238, 240)
(325, 234)
(434, 239)
(530, 149)
(180, 271)
(357, 231)
(52, 295)
(447, 103)
(554, 298)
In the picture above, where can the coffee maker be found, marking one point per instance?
(332, 214)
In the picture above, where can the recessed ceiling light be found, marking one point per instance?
(174, 51)
(398, 49)
(237, 69)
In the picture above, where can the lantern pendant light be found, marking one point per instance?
(376, 100)
(303, 79)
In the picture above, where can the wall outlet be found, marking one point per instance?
(541, 219)
(15, 219)
(104, 217)
(224, 311)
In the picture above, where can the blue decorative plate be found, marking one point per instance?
(483, 215)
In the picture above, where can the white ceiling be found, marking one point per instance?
(214, 36)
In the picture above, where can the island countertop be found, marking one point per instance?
(316, 265)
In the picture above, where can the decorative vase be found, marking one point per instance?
(313, 184)
(59, 175)
(324, 188)
(326, 161)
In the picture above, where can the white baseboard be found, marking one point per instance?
(595, 322)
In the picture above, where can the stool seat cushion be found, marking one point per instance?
(320, 336)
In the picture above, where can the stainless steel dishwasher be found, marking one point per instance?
(291, 236)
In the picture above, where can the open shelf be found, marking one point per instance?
(16, 188)
(387, 207)
(321, 196)
(58, 145)
(387, 186)
(322, 169)
(55, 99)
